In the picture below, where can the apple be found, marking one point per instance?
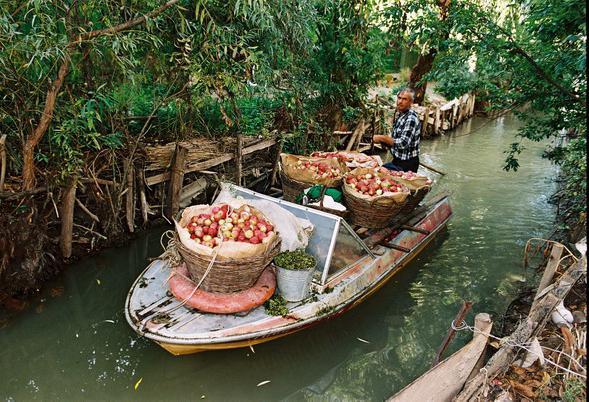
(248, 234)
(254, 240)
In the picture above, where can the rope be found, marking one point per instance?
(522, 345)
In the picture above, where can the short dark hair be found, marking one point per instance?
(408, 90)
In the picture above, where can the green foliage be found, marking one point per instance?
(295, 260)
(276, 306)
(573, 390)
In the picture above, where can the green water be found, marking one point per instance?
(74, 342)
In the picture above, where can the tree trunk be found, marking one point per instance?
(28, 173)
(420, 69)
(426, 61)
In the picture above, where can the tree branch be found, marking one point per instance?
(124, 26)
(539, 70)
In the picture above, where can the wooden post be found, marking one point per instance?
(437, 120)
(177, 177)
(274, 171)
(130, 196)
(425, 122)
(142, 197)
(67, 218)
(472, 105)
(238, 159)
(466, 305)
(2, 161)
(454, 115)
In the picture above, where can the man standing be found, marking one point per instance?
(404, 142)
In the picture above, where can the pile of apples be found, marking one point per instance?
(344, 156)
(319, 169)
(223, 224)
(404, 175)
(374, 184)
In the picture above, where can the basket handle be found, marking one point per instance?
(323, 189)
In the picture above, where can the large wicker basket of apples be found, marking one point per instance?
(373, 196)
(226, 249)
(418, 186)
(300, 172)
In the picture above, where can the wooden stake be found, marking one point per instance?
(425, 122)
(142, 197)
(466, 305)
(2, 161)
(130, 196)
(238, 159)
(274, 172)
(358, 132)
(67, 218)
(437, 121)
(176, 179)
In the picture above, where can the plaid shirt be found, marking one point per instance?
(406, 133)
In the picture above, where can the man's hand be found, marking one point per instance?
(384, 139)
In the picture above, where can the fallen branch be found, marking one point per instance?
(86, 210)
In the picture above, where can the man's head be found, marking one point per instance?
(405, 99)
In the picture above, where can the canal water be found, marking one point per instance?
(73, 342)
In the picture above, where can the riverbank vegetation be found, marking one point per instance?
(87, 86)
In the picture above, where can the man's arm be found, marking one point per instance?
(383, 139)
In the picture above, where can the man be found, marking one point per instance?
(404, 142)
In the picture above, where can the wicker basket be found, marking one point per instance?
(415, 198)
(292, 188)
(227, 275)
(376, 214)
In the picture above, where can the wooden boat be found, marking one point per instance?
(350, 268)
(443, 381)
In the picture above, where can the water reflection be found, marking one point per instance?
(75, 344)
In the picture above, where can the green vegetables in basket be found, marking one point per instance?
(296, 260)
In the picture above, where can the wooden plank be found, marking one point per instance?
(2, 161)
(549, 270)
(193, 167)
(449, 105)
(437, 121)
(67, 218)
(191, 190)
(177, 177)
